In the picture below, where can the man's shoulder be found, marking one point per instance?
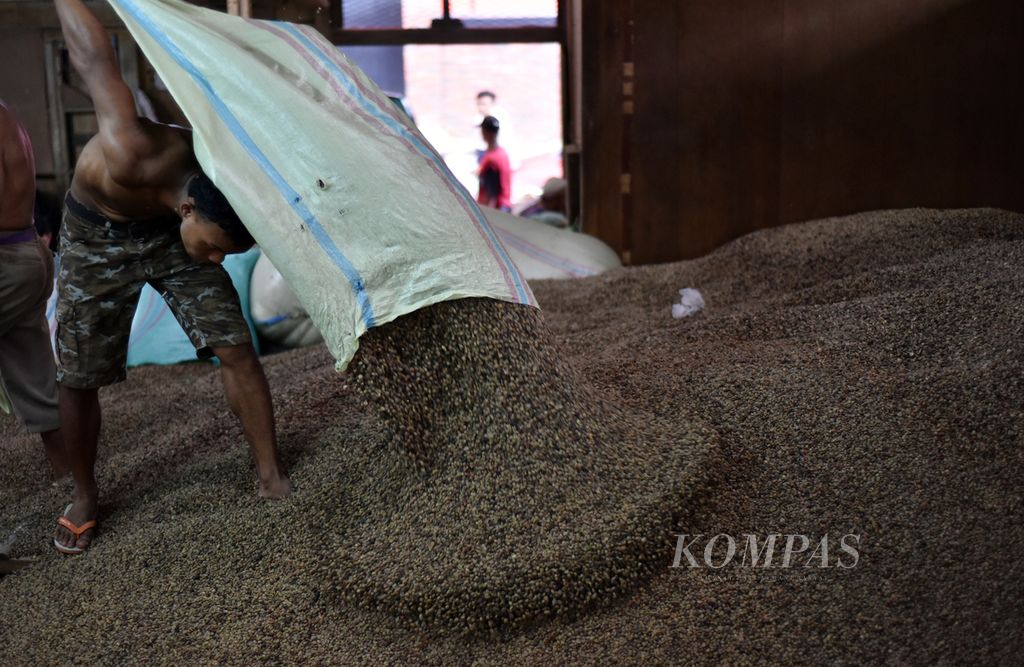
(502, 156)
(149, 156)
(497, 155)
(164, 136)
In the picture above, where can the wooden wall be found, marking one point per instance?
(604, 31)
(23, 86)
(742, 114)
(24, 27)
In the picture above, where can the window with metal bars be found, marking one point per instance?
(444, 21)
(419, 14)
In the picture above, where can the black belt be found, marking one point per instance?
(141, 229)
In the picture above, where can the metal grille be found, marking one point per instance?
(380, 14)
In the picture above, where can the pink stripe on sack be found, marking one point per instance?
(375, 94)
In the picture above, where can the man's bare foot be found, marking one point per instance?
(82, 510)
(275, 489)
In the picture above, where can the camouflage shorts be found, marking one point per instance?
(103, 267)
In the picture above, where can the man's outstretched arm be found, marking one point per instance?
(124, 141)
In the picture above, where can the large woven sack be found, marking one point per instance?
(541, 252)
(339, 188)
(277, 313)
(545, 252)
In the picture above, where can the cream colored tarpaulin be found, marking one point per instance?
(345, 196)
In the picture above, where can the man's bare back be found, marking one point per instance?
(133, 169)
(136, 182)
(17, 174)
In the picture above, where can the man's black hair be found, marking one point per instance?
(212, 205)
(487, 93)
(491, 124)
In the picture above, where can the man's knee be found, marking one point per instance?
(76, 403)
(77, 394)
(237, 356)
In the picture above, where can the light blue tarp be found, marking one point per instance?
(156, 337)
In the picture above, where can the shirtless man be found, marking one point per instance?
(140, 210)
(27, 376)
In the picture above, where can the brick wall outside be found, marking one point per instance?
(442, 83)
(441, 87)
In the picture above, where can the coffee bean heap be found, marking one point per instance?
(520, 493)
(476, 468)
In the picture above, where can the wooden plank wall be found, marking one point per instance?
(753, 113)
(604, 32)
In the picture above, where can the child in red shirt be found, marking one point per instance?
(495, 172)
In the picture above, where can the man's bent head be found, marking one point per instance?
(210, 228)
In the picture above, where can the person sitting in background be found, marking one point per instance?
(551, 207)
(494, 172)
(28, 377)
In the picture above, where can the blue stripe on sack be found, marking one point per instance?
(293, 198)
(273, 320)
(401, 130)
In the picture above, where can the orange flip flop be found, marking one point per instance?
(75, 530)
